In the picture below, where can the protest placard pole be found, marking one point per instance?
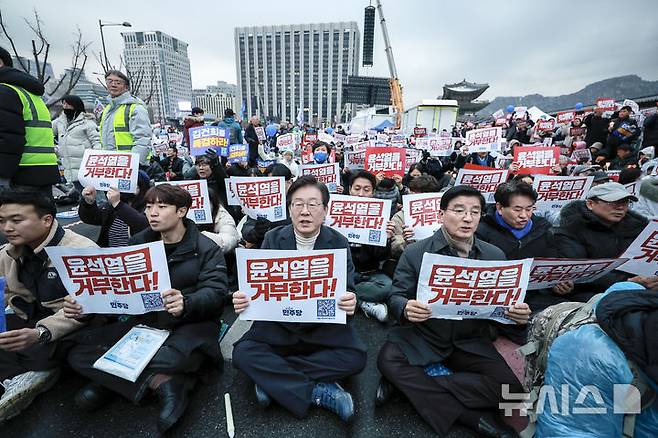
(230, 427)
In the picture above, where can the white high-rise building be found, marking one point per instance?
(214, 99)
(160, 63)
(282, 69)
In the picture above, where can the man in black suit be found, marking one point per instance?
(472, 392)
(298, 364)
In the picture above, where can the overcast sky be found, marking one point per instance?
(518, 47)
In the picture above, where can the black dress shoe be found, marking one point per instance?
(384, 392)
(491, 426)
(92, 397)
(174, 398)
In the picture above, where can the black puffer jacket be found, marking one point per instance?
(539, 242)
(597, 129)
(582, 235)
(198, 270)
(12, 132)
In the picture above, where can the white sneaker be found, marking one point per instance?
(21, 390)
(379, 311)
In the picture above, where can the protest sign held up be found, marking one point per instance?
(387, 160)
(125, 280)
(556, 191)
(421, 213)
(201, 210)
(327, 173)
(484, 140)
(360, 220)
(547, 273)
(104, 170)
(642, 255)
(207, 137)
(459, 288)
(486, 181)
(536, 159)
(258, 196)
(293, 286)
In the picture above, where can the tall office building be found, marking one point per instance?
(160, 63)
(214, 99)
(282, 69)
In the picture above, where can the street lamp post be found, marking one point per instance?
(100, 26)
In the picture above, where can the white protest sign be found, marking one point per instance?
(486, 181)
(339, 137)
(124, 280)
(327, 173)
(547, 273)
(355, 159)
(436, 146)
(293, 286)
(259, 196)
(633, 188)
(286, 141)
(459, 288)
(421, 213)
(352, 138)
(498, 114)
(326, 138)
(412, 156)
(201, 210)
(642, 255)
(554, 192)
(105, 169)
(484, 140)
(260, 133)
(360, 220)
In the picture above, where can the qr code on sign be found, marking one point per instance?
(499, 312)
(124, 184)
(278, 211)
(199, 216)
(326, 309)
(374, 235)
(152, 301)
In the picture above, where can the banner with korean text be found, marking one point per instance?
(360, 220)
(554, 192)
(536, 160)
(209, 137)
(293, 286)
(125, 280)
(387, 160)
(201, 210)
(285, 141)
(459, 288)
(238, 153)
(105, 169)
(258, 196)
(486, 181)
(642, 255)
(355, 159)
(435, 146)
(327, 173)
(547, 273)
(421, 213)
(484, 140)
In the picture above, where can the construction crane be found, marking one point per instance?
(394, 82)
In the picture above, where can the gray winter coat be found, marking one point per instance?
(74, 138)
(139, 124)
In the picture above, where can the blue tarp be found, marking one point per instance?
(383, 125)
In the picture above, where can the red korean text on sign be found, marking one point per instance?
(484, 182)
(425, 211)
(194, 189)
(259, 194)
(120, 274)
(109, 166)
(560, 272)
(565, 189)
(476, 286)
(356, 214)
(536, 159)
(387, 160)
(649, 249)
(294, 278)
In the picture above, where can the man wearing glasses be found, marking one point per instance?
(602, 226)
(512, 226)
(470, 395)
(125, 124)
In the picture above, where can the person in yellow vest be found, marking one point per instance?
(27, 152)
(125, 124)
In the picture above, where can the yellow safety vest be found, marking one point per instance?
(39, 142)
(123, 139)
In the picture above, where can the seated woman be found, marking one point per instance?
(298, 364)
(193, 307)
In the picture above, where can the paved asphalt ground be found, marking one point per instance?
(54, 415)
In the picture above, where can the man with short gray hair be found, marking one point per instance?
(125, 124)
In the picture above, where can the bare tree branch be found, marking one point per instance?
(13, 46)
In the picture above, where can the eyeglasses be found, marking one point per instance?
(311, 205)
(460, 212)
(114, 81)
(616, 204)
